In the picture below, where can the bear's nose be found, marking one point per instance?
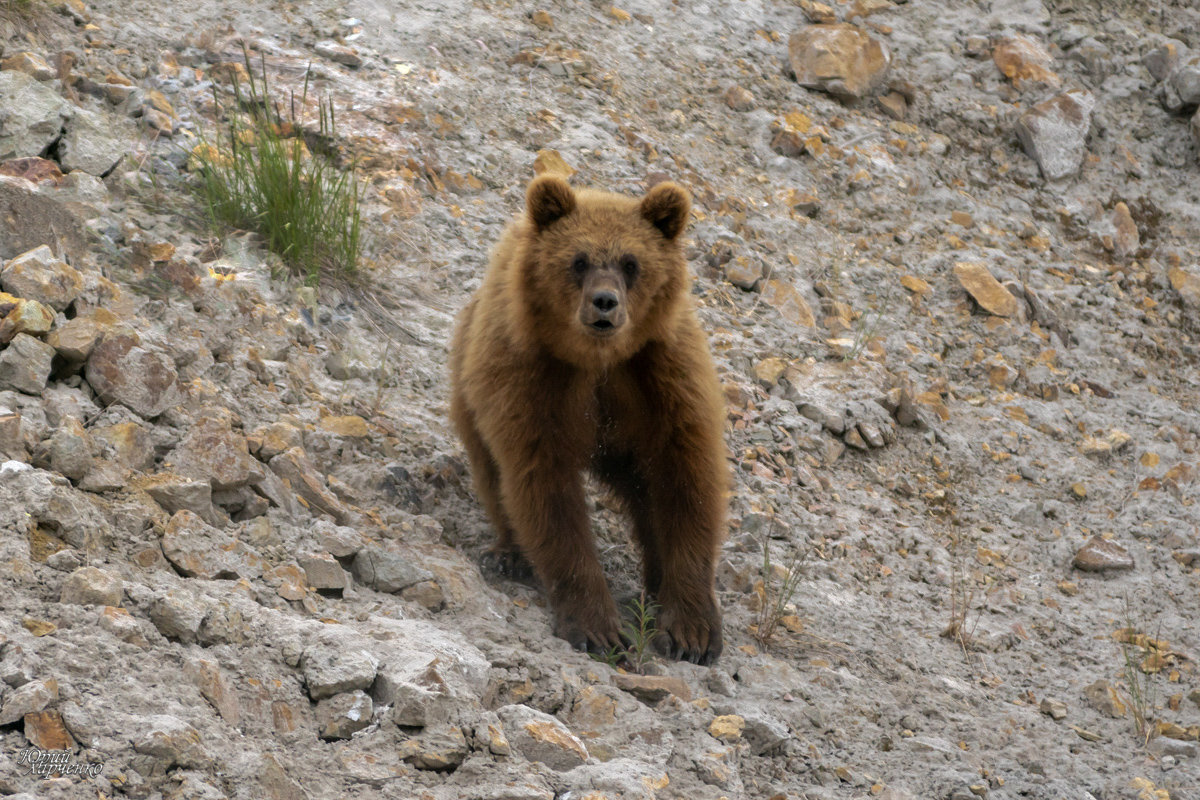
(605, 300)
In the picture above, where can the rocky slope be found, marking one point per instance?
(947, 256)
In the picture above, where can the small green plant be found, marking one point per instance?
(258, 174)
(1139, 689)
(775, 593)
(962, 596)
(864, 331)
(639, 634)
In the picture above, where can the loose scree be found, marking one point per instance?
(582, 351)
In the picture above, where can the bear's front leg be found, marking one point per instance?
(686, 478)
(544, 499)
(686, 507)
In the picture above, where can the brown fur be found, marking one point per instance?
(549, 381)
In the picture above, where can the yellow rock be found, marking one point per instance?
(31, 64)
(1187, 284)
(797, 121)
(352, 426)
(542, 19)
(554, 735)
(1022, 59)
(727, 728)
(841, 59)
(549, 161)
(28, 316)
(817, 12)
(292, 582)
(39, 627)
(769, 370)
(1126, 241)
(915, 284)
(619, 14)
(987, 291)
(159, 102)
(789, 302)
(45, 730)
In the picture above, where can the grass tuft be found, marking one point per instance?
(775, 593)
(258, 174)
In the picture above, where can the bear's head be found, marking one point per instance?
(601, 274)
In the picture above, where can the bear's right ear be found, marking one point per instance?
(548, 199)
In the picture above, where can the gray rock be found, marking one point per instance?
(51, 502)
(121, 371)
(95, 142)
(1161, 746)
(1163, 57)
(340, 716)
(343, 367)
(183, 494)
(441, 749)
(339, 53)
(1181, 88)
(489, 733)
(30, 217)
(25, 364)
(1194, 126)
(322, 571)
(764, 733)
(28, 699)
(387, 571)
(40, 275)
(336, 665)
(131, 444)
(178, 615)
(198, 550)
(92, 586)
(212, 451)
(12, 443)
(295, 469)
(428, 675)
(68, 451)
(540, 737)
(19, 666)
(34, 115)
(63, 402)
(1054, 132)
(626, 778)
(172, 741)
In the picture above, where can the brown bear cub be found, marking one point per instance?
(581, 350)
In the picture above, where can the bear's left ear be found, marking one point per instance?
(666, 207)
(548, 198)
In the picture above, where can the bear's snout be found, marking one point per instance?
(602, 311)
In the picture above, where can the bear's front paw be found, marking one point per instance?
(688, 633)
(589, 630)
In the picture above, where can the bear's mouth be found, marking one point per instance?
(602, 328)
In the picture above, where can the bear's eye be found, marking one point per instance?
(629, 267)
(579, 265)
